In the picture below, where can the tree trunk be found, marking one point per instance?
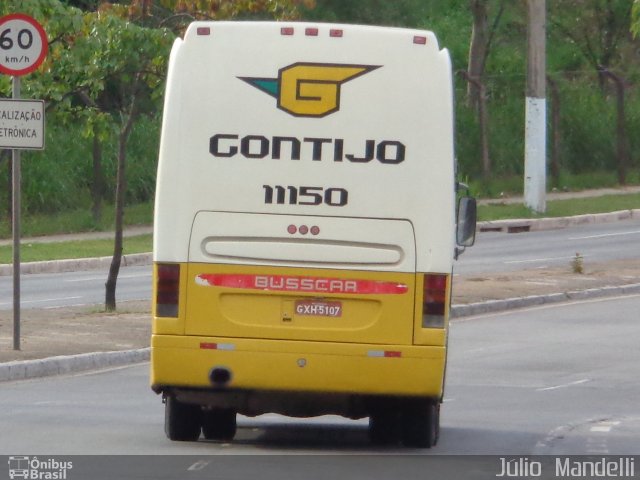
(555, 131)
(477, 49)
(97, 187)
(114, 269)
(622, 140)
(483, 121)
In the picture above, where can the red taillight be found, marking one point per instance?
(434, 300)
(167, 289)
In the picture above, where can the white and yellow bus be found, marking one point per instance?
(305, 228)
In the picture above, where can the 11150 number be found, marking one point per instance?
(334, 197)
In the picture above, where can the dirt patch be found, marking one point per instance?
(73, 330)
(498, 286)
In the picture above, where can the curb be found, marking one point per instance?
(45, 367)
(29, 369)
(554, 223)
(76, 264)
(493, 306)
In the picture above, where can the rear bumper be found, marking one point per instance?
(184, 362)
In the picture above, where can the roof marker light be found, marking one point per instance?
(311, 32)
(335, 32)
(286, 31)
(203, 31)
(419, 40)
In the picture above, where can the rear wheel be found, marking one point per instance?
(421, 423)
(182, 421)
(384, 426)
(219, 424)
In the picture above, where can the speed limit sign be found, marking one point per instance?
(23, 44)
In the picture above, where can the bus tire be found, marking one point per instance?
(219, 424)
(384, 426)
(421, 423)
(182, 421)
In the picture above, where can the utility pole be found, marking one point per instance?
(535, 145)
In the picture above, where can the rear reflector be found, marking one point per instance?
(286, 283)
(384, 354)
(217, 346)
(434, 299)
(167, 289)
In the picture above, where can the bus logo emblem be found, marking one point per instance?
(309, 89)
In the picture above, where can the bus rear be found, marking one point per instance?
(304, 228)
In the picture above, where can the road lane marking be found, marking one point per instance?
(537, 260)
(564, 385)
(199, 465)
(24, 302)
(92, 279)
(604, 235)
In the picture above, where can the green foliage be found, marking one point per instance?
(635, 18)
(103, 53)
(36, 252)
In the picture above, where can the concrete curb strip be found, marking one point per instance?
(493, 306)
(24, 370)
(554, 223)
(77, 264)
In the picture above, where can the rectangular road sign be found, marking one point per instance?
(22, 124)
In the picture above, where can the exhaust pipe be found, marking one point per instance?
(220, 376)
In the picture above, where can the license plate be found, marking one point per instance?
(316, 308)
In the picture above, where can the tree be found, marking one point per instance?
(599, 32)
(598, 29)
(130, 85)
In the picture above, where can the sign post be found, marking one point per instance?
(23, 48)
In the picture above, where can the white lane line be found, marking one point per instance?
(604, 427)
(564, 385)
(92, 279)
(537, 260)
(24, 302)
(604, 235)
(199, 465)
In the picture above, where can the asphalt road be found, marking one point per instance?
(498, 252)
(493, 252)
(50, 290)
(561, 379)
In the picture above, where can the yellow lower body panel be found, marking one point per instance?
(298, 366)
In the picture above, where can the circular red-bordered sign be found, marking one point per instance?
(23, 44)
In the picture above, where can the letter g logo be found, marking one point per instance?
(309, 89)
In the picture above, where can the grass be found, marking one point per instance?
(562, 208)
(75, 221)
(34, 252)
